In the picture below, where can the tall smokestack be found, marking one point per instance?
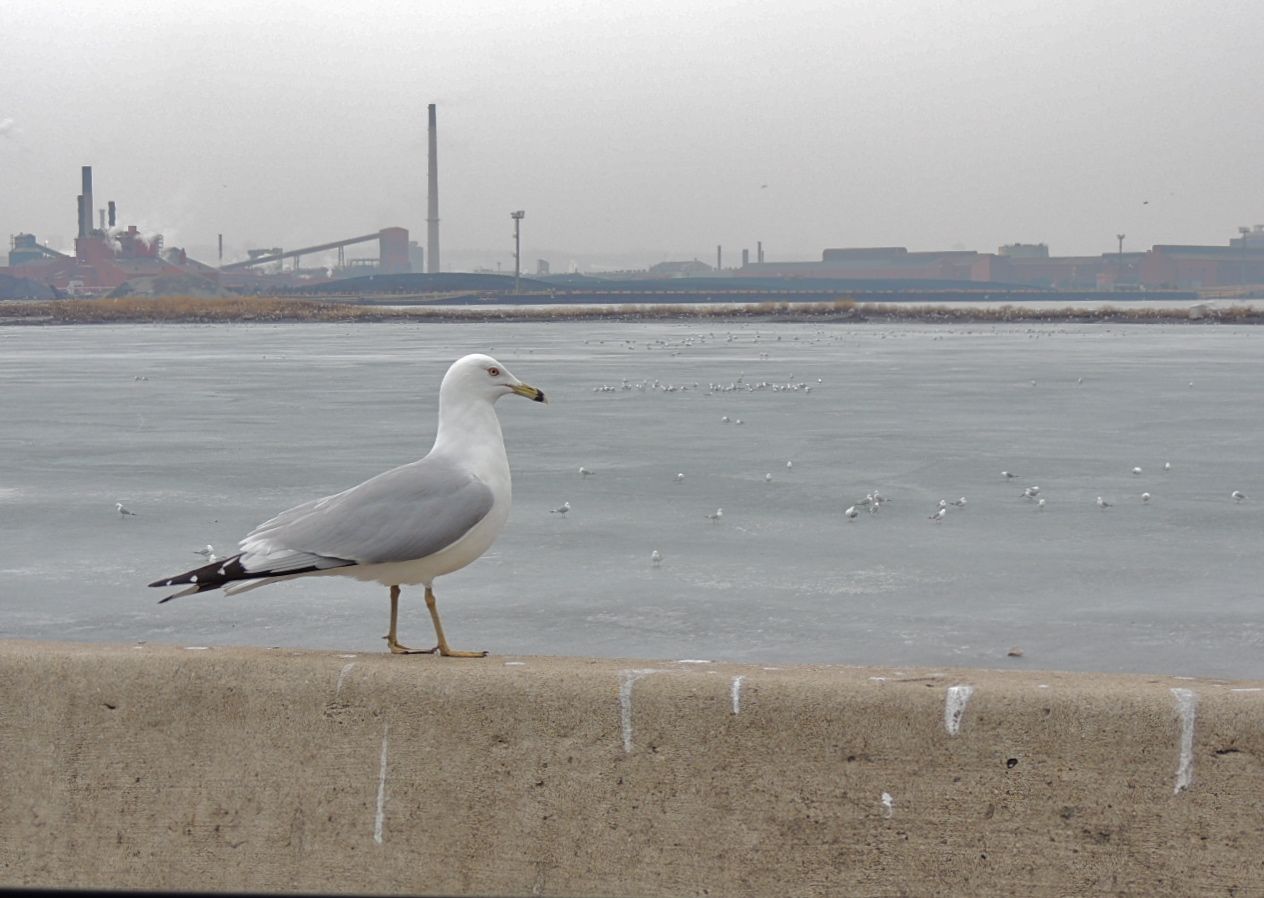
(432, 207)
(110, 210)
(87, 201)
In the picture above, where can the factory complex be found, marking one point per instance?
(111, 259)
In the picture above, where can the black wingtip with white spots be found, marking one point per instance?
(209, 576)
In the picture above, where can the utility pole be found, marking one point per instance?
(517, 220)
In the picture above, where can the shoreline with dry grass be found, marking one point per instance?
(197, 310)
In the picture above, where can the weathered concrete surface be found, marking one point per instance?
(162, 767)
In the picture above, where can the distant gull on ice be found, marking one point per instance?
(123, 510)
(851, 512)
(584, 472)
(939, 515)
(680, 477)
(715, 516)
(1145, 497)
(1040, 504)
(1102, 503)
(1007, 475)
(656, 558)
(405, 526)
(960, 503)
(1238, 495)
(561, 509)
(1136, 471)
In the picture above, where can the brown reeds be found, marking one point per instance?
(191, 309)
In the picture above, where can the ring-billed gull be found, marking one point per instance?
(403, 527)
(123, 510)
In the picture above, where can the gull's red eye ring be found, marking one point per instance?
(493, 371)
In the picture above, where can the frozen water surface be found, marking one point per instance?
(205, 431)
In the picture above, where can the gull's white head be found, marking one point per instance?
(479, 375)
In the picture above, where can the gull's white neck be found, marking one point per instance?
(469, 433)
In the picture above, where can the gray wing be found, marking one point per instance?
(403, 514)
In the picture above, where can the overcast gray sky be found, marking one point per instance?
(642, 130)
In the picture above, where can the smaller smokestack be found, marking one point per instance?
(110, 209)
(759, 251)
(221, 249)
(87, 199)
(745, 257)
(719, 257)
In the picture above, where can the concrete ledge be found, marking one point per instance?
(242, 769)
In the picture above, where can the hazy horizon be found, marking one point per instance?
(632, 134)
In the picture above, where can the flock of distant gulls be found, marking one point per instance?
(871, 503)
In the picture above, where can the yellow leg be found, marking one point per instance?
(393, 643)
(443, 642)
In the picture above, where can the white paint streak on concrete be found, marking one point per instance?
(626, 679)
(693, 661)
(888, 803)
(735, 691)
(381, 791)
(955, 707)
(515, 664)
(342, 675)
(1245, 689)
(1186, 710)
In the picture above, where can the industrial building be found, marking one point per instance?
(109, 258)
(1162, 267)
